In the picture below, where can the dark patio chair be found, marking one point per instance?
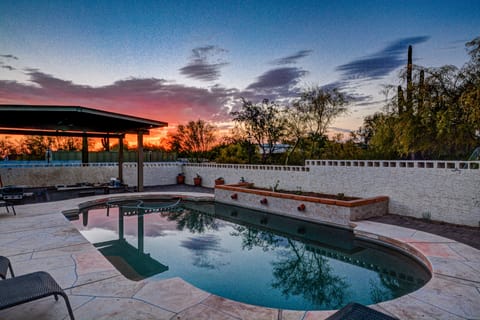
(7, 204)
(5, 265)
(29, 287)
(356, 311)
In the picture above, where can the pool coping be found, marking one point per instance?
(97, 290)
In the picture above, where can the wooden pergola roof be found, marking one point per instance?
(70, 121)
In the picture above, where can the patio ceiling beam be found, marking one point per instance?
(60, 133)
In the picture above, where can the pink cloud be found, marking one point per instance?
(151, 98)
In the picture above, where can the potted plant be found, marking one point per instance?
(180, 178)
(219, 180)
(197, 180)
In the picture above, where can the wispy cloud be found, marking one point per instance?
(292, 59)
(349, 90)
(380, 63)
(8, 67)
(280, 83)
(146, 97)
(200, 67)
(8, 56)
(340, 129)
(278, 78)
(357, 73)
(203, 243)
(275, 84)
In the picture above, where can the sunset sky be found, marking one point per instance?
(177, 61)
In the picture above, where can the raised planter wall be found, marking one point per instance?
(331, 211)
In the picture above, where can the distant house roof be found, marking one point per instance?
(70, 120)
(277, 148)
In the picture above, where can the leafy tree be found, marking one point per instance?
(263, 124)
(312, 114)
(382, 137)
(301, 271)
(336, 148)
(233, 153)
(470, 96)
(297, 129)
(194, 221)
(8, 148)
(194, 139)
(35, 147)
(438, 118)
(67, 143)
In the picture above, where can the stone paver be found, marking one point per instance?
(468, 235)
(40, 238)
(173, 294)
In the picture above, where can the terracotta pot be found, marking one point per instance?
(197, 181)
(180, 179)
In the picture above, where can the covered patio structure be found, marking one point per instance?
(77, 121)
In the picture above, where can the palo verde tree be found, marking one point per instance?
(311, 115)
(263, 124)
(194, 139)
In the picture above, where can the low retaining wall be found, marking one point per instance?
(46, 175)
(331, 211)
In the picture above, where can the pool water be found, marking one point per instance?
(250, 256)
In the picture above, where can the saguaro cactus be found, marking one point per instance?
(401, 100)
(409, 81)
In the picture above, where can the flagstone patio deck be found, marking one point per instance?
(39, 237)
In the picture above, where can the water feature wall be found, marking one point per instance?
(446, 191)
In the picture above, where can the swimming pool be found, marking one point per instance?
(249, 256)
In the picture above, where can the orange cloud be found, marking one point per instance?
(152, 98)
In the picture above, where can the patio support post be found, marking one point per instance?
(140, 231)
(84, 148)
(121, 224)
(140, 161)
(120, 158)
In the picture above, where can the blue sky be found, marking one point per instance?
(182, 60)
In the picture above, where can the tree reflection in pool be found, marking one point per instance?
(249, 256)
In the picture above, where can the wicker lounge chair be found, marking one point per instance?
(29, 287)
(356, 311)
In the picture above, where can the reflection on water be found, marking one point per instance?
(250, 256)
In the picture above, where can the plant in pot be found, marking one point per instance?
(180, 178)
(219, 180)
(197, 180)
